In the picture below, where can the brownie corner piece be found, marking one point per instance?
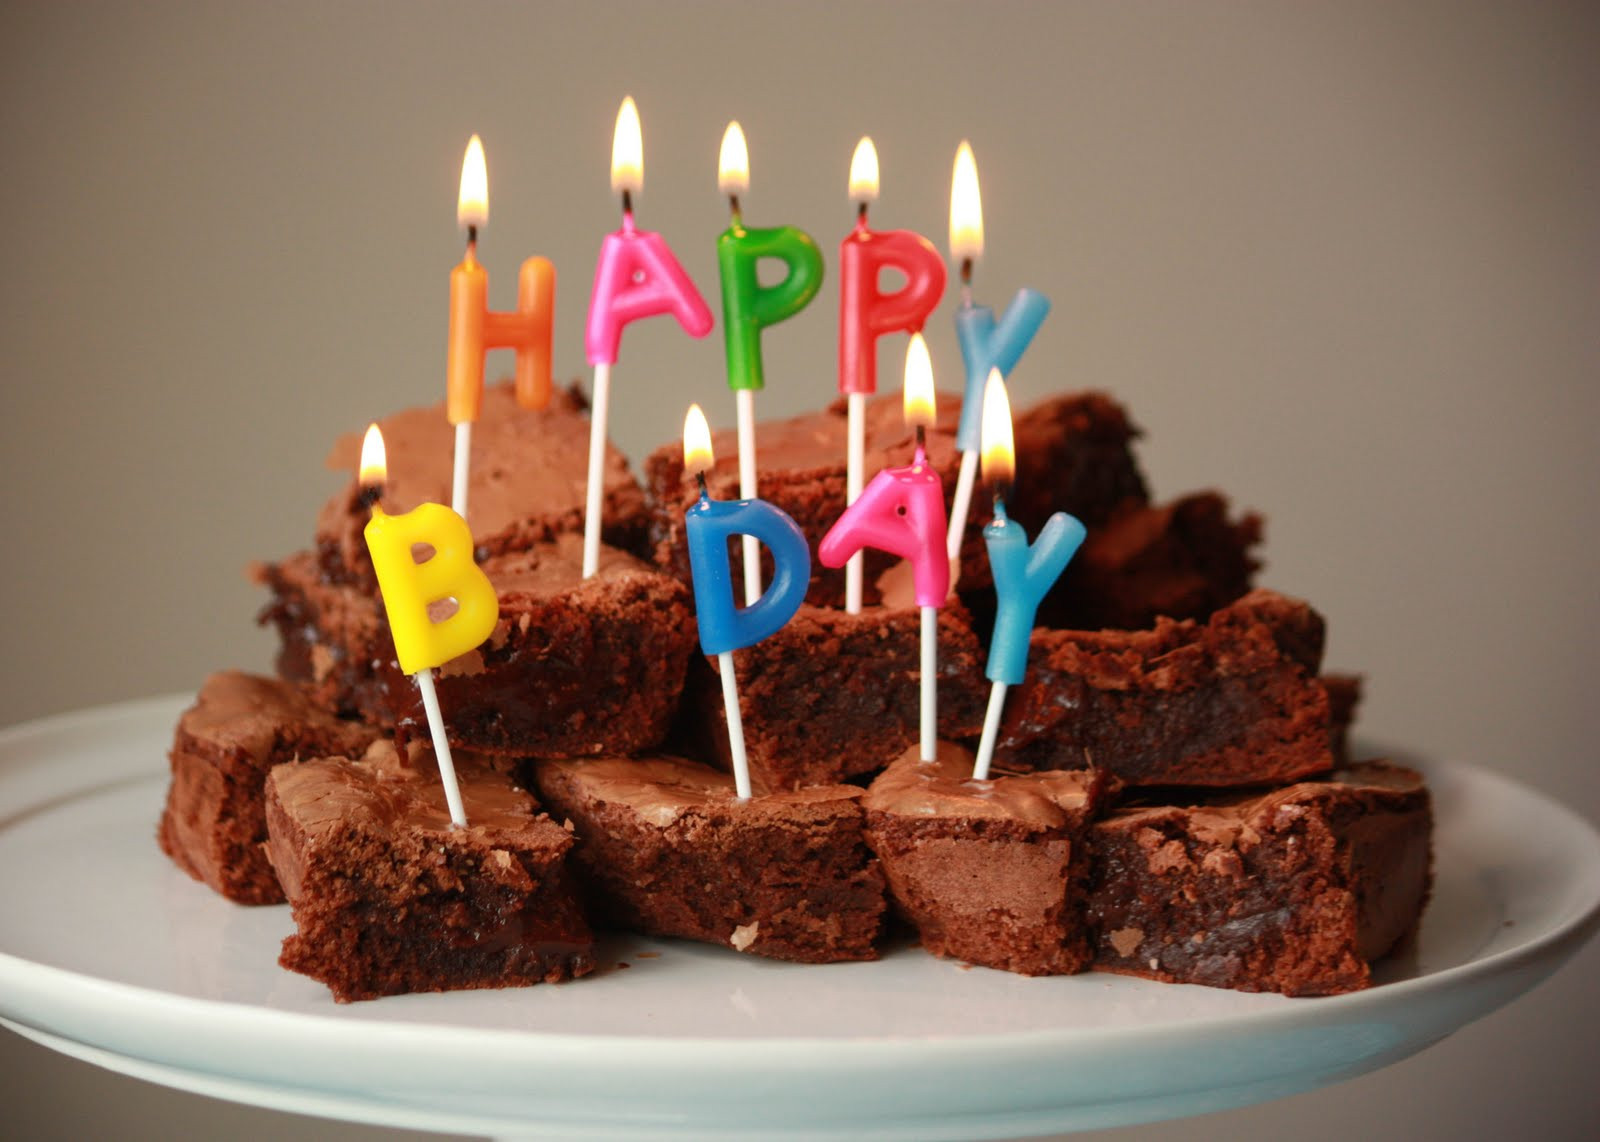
(992, 872)
(388, 897)
(1295, 890)
(1232, 701)
(213, 823)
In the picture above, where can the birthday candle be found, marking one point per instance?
(724, 627)
(902, 512)
(985, 343)
(866, 313)
(1023, 574)
(474, 329)
(636, 276)
(410, 589)
(748, 307)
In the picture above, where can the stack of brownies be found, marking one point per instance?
(1172, 797)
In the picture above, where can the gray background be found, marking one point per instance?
(1339, 259)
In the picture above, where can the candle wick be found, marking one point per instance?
(700, 478)
(966, 272)
(627, 204)
(369, 496)
(472, 236)
(1000, 495)
(861, 215)
(922, 442)
(733, 205)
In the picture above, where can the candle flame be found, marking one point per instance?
(374, 459)
(733, 163)
(918, 394)
(998, 451)
(966, 207)
(697, 454)
(627, 150)
(864, 172)
(472, 203)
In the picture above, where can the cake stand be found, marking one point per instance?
(110, 954)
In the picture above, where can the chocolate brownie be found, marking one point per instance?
(668, 849)
(801, 465)
(388, 898)
(239, 727)
(526, 483)
(833, 696)
(574, 666)
(1073, 455)
(1083, 466)
(993, 872)
(1182, 560)
(1231, 701)
(1344, 695)
(1295, 890)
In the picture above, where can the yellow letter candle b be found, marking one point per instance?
(411, 585)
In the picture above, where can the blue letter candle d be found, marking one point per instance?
(1022, 576)
(723, 626)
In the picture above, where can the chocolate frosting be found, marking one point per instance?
(250, 714)
(383, 790)
(911, 787)
(555, 566)
(1237, 817)
(661, 789)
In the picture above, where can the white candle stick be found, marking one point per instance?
(930, 683)
(730, 703)
(991, 731)
(463, 463)
(856, 460)
(966, 245)
(960, 506)
(745, 401)
(441, 748)
(595, 492)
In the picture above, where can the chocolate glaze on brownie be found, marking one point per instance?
(389, 898)
(526, 483)
(1232, 701)
(574, 666)
(239, 727)
(668, 849)
(992, 872)
(833, 697)
(1295, 890)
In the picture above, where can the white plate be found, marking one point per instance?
(111, 954)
